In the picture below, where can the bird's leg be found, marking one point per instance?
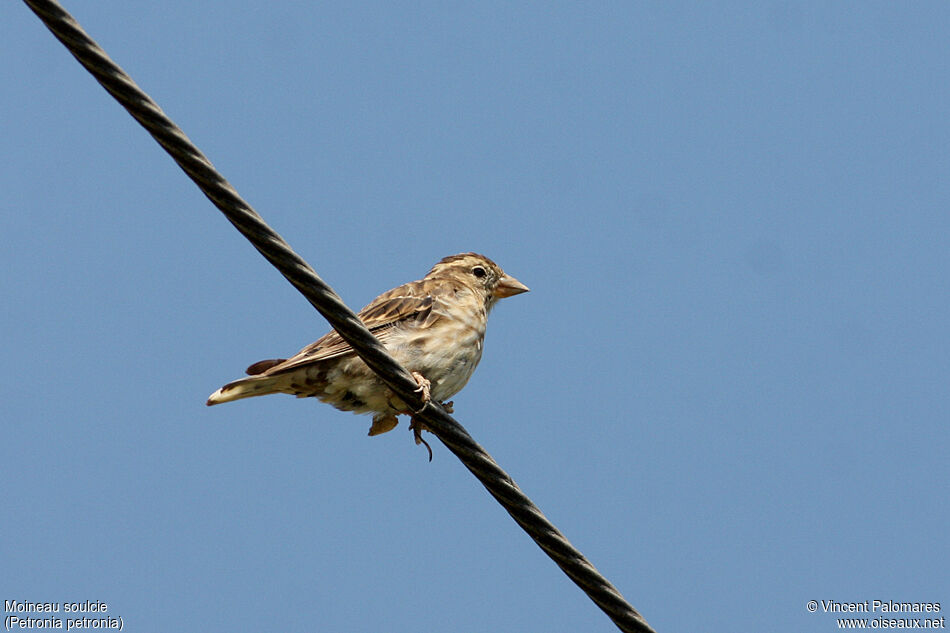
(424, 386)
(415, 425)
(417, 428)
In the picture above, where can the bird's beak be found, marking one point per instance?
(509, 286)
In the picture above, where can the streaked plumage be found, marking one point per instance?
(434, 327)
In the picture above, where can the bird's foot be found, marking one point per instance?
(448, 406)
(417, 428)
(424, 386)
(416, 425)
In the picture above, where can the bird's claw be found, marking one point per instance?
(417, 427)
(424, 387)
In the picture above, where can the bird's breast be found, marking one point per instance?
(446, 354)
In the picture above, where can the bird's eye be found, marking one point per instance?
(478, 271)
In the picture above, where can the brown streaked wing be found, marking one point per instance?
(412, 301)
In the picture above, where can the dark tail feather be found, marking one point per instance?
(263, 365)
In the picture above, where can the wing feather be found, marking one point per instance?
(418, 302)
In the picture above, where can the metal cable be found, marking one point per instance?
(341, 318)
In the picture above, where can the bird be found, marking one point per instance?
(434, 327)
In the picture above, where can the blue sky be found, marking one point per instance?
(728, 385)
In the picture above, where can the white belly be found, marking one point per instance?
(446, 360)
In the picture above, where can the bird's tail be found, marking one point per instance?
(246, 388)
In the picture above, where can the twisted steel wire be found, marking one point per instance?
(340, 317)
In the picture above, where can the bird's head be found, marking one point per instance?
(479, 273)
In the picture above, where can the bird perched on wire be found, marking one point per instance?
(434, 327)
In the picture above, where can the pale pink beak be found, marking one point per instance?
(509, 286)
